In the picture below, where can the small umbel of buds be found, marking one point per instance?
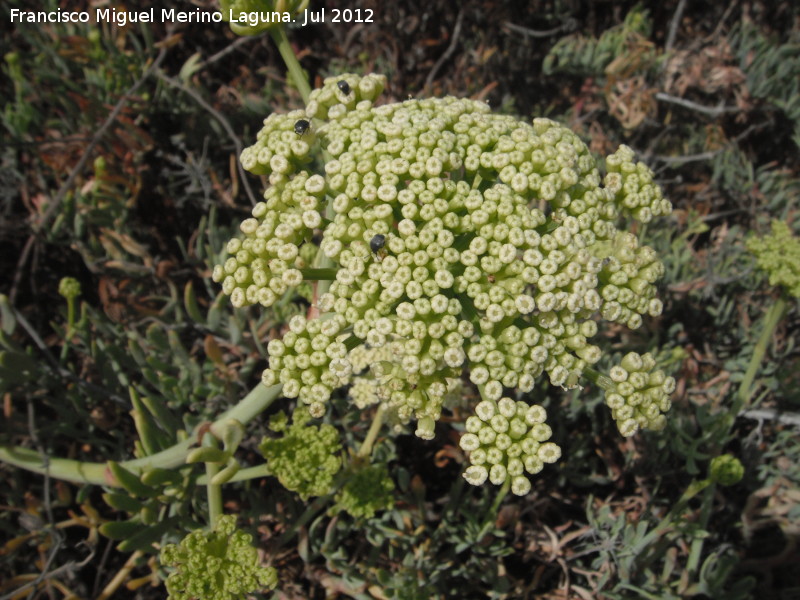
(505, 440)
(637, 394)
(778, 254)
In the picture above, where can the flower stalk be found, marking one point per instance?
(77, 471)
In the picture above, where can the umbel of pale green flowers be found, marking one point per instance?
(220, 564)
(778, 254)
(462, 242)
(637, 394)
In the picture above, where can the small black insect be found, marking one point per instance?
(301, 126)
(344, 87)
(377, 242)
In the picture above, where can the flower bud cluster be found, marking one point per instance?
(507, 439)
(779, 255)
(725, 470)
(306, 458)
(220, 564)
(266, 262)
(281, 149)
(632, 187)
(637, 394)
(627, 280)
(369, 490)
(462, 239)
(310, 361)
(344, 94)
(69, 288)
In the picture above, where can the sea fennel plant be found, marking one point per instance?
(452, 241)
(441, 246)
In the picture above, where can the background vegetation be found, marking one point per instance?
(119, 168)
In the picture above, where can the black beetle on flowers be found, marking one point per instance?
(301, 126)
(344, 87)
(377, 242)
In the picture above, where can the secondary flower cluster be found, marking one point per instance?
(637, 394)
(462, 241)
(506, 439)
(306, 458)
(779, 255)
(369, 490)
(220, 564)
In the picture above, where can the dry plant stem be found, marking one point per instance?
(774, 316)
(121, 576)
(97, 473)
(447, 53)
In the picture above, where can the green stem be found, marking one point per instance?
(318, 274)
(672, 517)
(372, 434)
(491, 514)
(287, 53)
(70, 328)
(771, 321)
(602, 381)
(213, 491)
(693, 564)
(256, 472)
(97, 473)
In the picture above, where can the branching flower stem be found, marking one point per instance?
(97, 473)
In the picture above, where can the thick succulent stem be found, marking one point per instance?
(97, 473)
(372, 434)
